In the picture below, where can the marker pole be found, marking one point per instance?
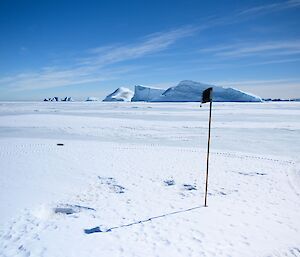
(207, 160)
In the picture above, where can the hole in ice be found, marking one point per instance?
(59, 144)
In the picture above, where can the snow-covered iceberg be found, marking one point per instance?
(147, 94)
(185, 91)
(122, 94)
(191, 91)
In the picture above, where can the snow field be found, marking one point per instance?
(52, 194)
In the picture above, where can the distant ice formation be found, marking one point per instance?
(122, 94)
(56, 99)
(67, 99)
(191, 91)
(146, 94)
(53, 99)
(92, 99)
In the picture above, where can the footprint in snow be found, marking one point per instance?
(169, 182)
(112, 184)
(71, 209)
(189, 187)
(252, 173)
(118, 189)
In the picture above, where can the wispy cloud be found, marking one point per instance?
(245, 14)
(150, 44)
(107, 62)
(96, 65)
(269, 8)
(269, 48)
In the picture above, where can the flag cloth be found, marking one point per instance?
(207, 95)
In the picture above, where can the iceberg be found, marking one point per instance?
(185, 91)
(122, 94)
(147, 94)
(191, 91)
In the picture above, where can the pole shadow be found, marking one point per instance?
(104, 230)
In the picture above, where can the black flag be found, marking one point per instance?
(207, 95)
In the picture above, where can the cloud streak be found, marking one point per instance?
(270, 8)
(269, 48)
(96, 66)
(108, 62)
(239, 16)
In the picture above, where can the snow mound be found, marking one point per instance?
(147, 94)
(122, 94)
(92, 99)
(191, 91)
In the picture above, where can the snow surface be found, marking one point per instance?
(136, 172)
(122, 94)
(146, 94)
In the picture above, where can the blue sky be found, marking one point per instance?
(89, 48)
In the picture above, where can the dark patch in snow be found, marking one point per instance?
(112, 184)
(261, 174)
(80, 207)
(71, 209)
(60, 144)
(189, 187)
(119, 189)
(169, 182)
(295, 251)
(252, 173)
(217, 193)
(62, 210)
(106, 180)
(94, 230)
